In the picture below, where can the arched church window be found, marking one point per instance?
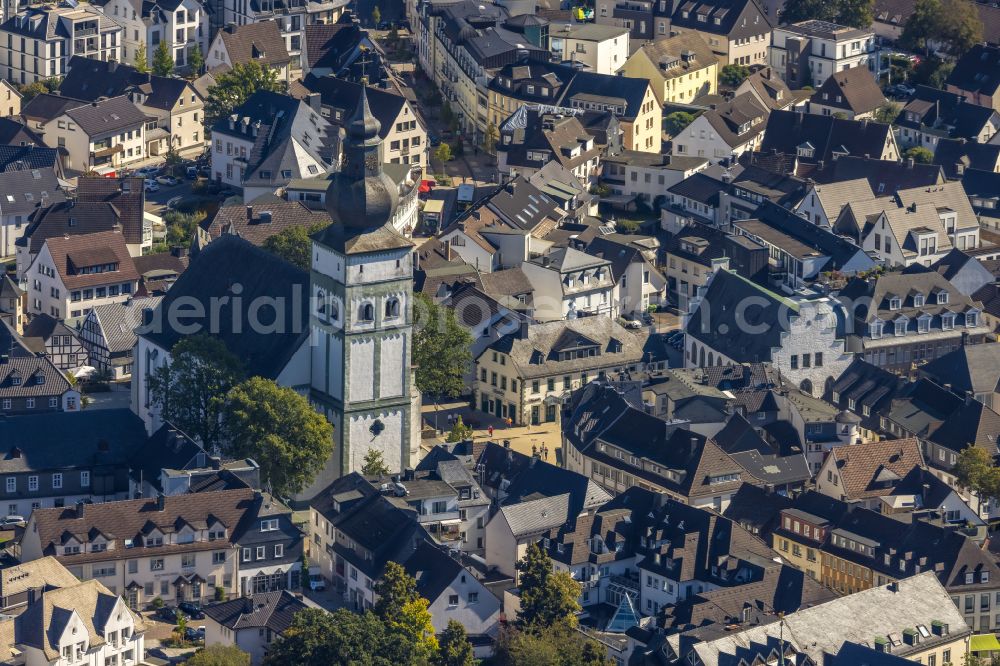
(334, 311)
(392, 307)
(321, 307)
(367, 312)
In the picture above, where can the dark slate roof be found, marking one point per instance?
(433, 568)
(31, 156)
(809, 237)
(335, 46)
(343, 95)
(856, 87)
(630, 89)
(755, 508)
(48, 106)
(212, 274)
(14, 133)
(90, 79)
(167, 448)
(956, 155)
(701, 188)
(382, 528)
(68, 440)
(885, 177)
(787, 130)
(728, 117)
(977, 71)
(107, 117)
(271, 610)
(738, 18)
(722, 324)
(853, 654)
(25, 189)
(28, 370)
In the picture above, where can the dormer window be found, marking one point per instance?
(918, 300)
(971, 319)
(895, 303)
(900, 326)
(269, 525)
(942, 297)
(924, 323)
(875, 329)
(948, 321)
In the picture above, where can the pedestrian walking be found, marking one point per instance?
(490, 430)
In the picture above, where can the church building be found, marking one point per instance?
(340, 334)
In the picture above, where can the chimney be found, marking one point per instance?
(315, 102)
(694, 445)
(909, 162)
(249, 213)
(161, 502)
(112, 66)
(232, 121)
(79, 508)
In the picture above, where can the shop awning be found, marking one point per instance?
(984, 643)
(426, 186)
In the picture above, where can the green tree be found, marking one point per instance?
(310, 639)
(395, 589)
(219, 655)
(794, 11)
(441, 348)
(558, 645)
(374, 464)
(548, 597)
(294, 244)
(490, 138)
(279, 429)
(443, 152)
(234, 87)
(191, 390)
(921, 26)
(674, 123)
(141, 60)
(976, 471)
(454, 647)
(940, 73)
(459, 432)
(733, 75)
(887, 113)
(920, 155)
(181, 227)
(163, 62)
(960, 26)
(196, 60)
(31, 90)
(856, 13)
(376, 15)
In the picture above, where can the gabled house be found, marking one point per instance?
(11, 304)
(969, 370)
(640, 283)
(824, 202)
(25, 583)
(534, 136)
(977, 76)
(823, 139)
(454, 592)
(107, 334)
(270, 140)
(105, 135)
(174, 104)
(933, 114)
(260, 42)
(251, 623)
(681, 68)
(404, 137)
(72, 274)
(527, 375)
(25, 187)
(864, 474)
(340, 49)
(86, 623)
(567, 283)
(31, 383)
(725, 130)
(850, 93)
(771, 91)
(629, 99)
(53, 338)
(808, 52)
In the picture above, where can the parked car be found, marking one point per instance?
(193, 611)
(167, 181)
(316, 582)
(902, 90)
(633, 323)
(194, 633)
(151, 186)
(166, 614)
(191, 173)
(147, 172)
(13, 520)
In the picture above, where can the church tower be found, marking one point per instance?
(362, 311)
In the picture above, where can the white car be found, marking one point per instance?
(316, 582)
(151, 185)
(633, 323)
